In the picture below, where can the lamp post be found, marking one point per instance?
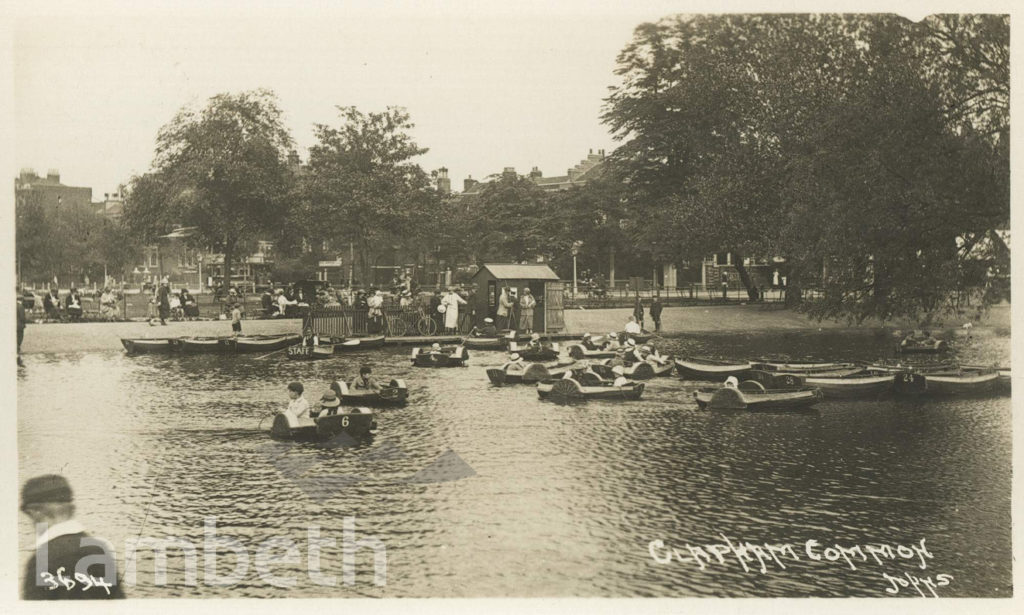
(199, 260)
(575, 251)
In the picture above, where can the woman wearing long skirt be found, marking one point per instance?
(526, 305)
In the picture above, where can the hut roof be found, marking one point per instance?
(519, 272)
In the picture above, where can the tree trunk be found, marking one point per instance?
(752, 292)
(229, 253)
(794, 294)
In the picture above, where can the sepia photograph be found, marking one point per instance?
(455, 300)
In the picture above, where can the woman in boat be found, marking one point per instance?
(732, 382)
(526, 305)
(297, 406)
(633, 353)
(613, 342)
(633, 327)
(365, 381)
(620, 378)
(515, 365)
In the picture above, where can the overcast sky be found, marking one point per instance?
(487, 84)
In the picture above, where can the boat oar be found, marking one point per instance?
(272, 353)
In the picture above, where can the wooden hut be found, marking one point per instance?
(545, 286)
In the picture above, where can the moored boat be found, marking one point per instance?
(831, 368)
(357, 423)
(569, 389)
(360, 343)
(485, 343)
(395, 393)
(265, 343)
(303, 352)
(963, 382)
(206, 344)
(140, 345)
(714, 370)
(752, 396)
(865, 384)
(447, 356)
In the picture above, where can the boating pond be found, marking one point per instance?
(476, 490)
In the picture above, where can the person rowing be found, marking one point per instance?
(632, 354)
(515, 364)
(488, 330)
(365, 381)
(651, 354)
(620, 377)
(329, 404)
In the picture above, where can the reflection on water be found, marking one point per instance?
(556, 500)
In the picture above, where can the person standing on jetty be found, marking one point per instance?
(638, 312)
(526, 305)
(504, 309)
(451, 303)
(68, 563)
(19, 309)
(656, 308)
(163, 301)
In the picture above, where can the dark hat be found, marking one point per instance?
(46, 488)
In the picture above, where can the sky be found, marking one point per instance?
(488, 85)
(486, 89)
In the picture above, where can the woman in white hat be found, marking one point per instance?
(526, 305)
(620, 378)
(515, 364)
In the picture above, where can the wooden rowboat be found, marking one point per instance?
(394, 394)
(449, 356)
(835, 369)
(545, 353)
(265, 343)
(568, 389)
(360, 343)
(302, 352)
(206, 344)
(755, 398)
(359, 423)
(140, 345)
(946, 383)
(865, 384)
(641, 370)
(698, 368)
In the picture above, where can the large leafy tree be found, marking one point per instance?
(845, 143)
(222, 169)
(362, 185)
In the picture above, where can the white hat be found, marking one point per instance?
(618, 370)
(631, 342)
(514, 356)
(586, 335)
(732, 382)
(613, 335)
(488, 320)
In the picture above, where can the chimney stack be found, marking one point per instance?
(53, 175)
(468, 183)
(535, 173)
(444, 185)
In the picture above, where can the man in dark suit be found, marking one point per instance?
(68, 563)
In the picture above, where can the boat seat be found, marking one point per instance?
(751, 386)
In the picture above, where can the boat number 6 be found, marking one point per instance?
(344, 421)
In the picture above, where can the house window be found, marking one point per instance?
(723, 259)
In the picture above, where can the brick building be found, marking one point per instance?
(33, 189)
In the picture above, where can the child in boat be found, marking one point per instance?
(732, 382)
(365, 381)
(613, 342)
(329, 403)
(298, 406)
(488, 330)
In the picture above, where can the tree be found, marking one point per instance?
(507, 220)
(850, 142)
(362, 185)
(222, 169)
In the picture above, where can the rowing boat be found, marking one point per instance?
(580, 352)
(448, 356)
(833, 369)
(140, 345)
(755, 398)
(966, 382)
(926, 346)
(865, 384)
(360, 343)
(206, 344)
(265, 343)
(544, 353)
(394, 394)
(358, 423)
(640, 370)
(568, 389)
(699, 368)
(485, 343)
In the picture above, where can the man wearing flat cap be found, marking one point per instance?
(68, 564)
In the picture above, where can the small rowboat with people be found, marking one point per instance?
(959, 382)
(140, 345)
(356, 423)
(265, 343)
(534, 372)
(206, 344)
(310, 352)
(714, 370)
(750, 395)
(529, 353)
(926, 344)
(360, 343)
(395, 393)
(438, 356)
(569, 389)
(590, 347)
(639, 370)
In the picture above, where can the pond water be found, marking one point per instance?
(476, 490)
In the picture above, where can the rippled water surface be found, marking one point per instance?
(547, 500)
